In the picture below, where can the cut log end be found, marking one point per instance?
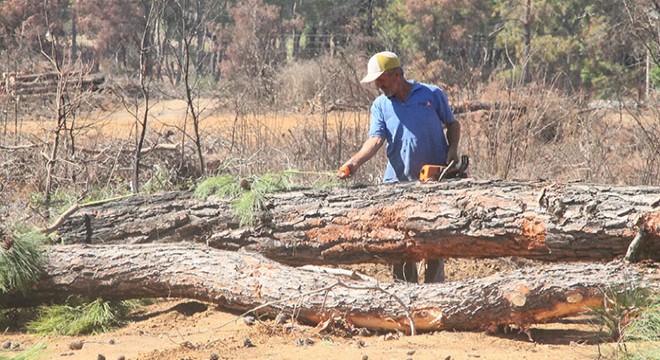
(564, 309)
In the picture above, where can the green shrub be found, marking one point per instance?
(21, 261)
(632, 314)
(80, 318)
(223, 186)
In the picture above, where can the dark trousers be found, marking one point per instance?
(434, 273)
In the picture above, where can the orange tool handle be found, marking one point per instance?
(430, 172)
(344, 171)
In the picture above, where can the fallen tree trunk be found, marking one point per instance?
(245, 281)
(393, 223)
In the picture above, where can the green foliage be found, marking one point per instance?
(326, 183)
(646, 325)
(249, 195)
(223, 186)
(80, 318)
(396, 32)
(59, 201)
(511, 77)
(271, 182)
(100, 194)
(552, 39)
(21, 263)
(654, 75)
(321, 180)
(159, 181)
(631, 314)
(246, 206)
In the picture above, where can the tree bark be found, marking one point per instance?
(394, 223)
(247, 281)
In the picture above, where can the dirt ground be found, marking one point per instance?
(182, 329)
(179, 329)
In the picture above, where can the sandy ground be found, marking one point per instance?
(182, 329)
(171, 115)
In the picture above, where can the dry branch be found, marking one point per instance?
(18, 147)
(473, 106)
(392, 223)
(243, 281)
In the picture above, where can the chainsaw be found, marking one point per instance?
(439, 172)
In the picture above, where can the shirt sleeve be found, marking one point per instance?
(377, 127)
(443, 109)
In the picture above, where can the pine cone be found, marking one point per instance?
(76, 345)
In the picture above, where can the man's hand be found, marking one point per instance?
(345, 171)
(367, 151)
(452, 155)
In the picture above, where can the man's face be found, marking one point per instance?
(388, 82)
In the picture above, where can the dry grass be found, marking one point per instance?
(559, 138)
(555, 138)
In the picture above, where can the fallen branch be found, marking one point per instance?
(65, 215)
(18, 147)
(72, 209)
(160, 147)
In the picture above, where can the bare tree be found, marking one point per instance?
(644, 23)
(139, 107)
(65, 71)
(192, 24)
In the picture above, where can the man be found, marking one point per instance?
(409, 116)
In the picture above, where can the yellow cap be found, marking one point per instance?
(380, 63)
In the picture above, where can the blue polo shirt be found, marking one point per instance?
(413, 130)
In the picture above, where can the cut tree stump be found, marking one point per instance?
(394, 223)
(245, 281)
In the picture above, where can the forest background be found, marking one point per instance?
(566, 90)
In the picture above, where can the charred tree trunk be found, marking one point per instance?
(249, 281)
(393, 223)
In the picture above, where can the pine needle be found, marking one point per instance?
(20, 264)
(646, 325)
(80, 319)
(629, 314)
(222, 186)
(249, 195)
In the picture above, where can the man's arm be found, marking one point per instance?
(368, 150)
(453, 138)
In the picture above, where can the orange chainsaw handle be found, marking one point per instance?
(344, 172)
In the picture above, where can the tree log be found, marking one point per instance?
(245, 281)
(393, 223)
